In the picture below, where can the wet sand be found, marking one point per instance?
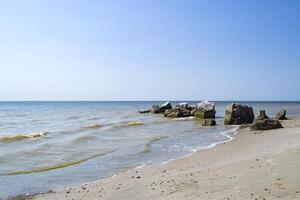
(255, 165)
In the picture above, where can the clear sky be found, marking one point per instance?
(150, 50)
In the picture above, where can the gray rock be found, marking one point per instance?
(182, 105)
(177, 112)
(262, 115)
(281, 115)
(191, 107)
(166, 105)
(161, 109)
(205, 110)
(155, 109)
(186, 106)
(193, 112)
(208, 122)
(236, 114)
(266, 124)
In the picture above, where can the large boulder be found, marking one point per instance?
(266, 124)
(182, 105)
(208, 122)
(186, 106)
(236, 114)
(177, 112)
(205, 110)
(162, 108)
(281, 115)
(262, 115)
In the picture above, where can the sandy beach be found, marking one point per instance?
(255, 165)
(150, 100)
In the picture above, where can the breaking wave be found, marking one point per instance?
(184, 118)
(92, 126)
(22, 136)
(137, 123)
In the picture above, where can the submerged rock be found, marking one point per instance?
(236, 114)
(144, 111)
(209, 122)
(281, 115)
(266, 124)
(205, 110)
(262, 115)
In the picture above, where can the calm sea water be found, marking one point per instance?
(48, 145)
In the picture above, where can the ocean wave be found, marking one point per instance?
(93, 118)
(84, 139)
(92, 126)
(74, 117)
(183, 118)
(136, 123)
(153, 139)
(230, 133)
(22, 136)
(56, 166)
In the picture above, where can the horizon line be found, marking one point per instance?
(148, 100)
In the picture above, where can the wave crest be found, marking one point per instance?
(92, 126)
(183, 118)
(22, 136)
(137, 123)
(57, 166)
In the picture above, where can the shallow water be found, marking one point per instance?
(48, 145)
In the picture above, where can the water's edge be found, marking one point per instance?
(234, 132)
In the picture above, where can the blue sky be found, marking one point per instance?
(150, 50)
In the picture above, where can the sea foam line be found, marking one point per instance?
(234, 131)
(22, 136)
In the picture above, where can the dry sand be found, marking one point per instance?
(255, 165)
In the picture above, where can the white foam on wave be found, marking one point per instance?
(227, 134)
(183, 118)
(141, 166)
(22, 136)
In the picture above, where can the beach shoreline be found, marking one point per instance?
(254, 165)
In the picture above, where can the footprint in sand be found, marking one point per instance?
(279, 183)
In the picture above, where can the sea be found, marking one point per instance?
(48, 146)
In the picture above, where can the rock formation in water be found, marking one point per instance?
(236, 114)
(281, 115)
(205, 110)
(262, 115)
(177, 112)
(158, 109)
(180, 110)
(162, 108)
